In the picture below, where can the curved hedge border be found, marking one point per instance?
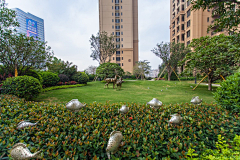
(84, 134)
(62, 87)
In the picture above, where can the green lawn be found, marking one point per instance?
(132, 91)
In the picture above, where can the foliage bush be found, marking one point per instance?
(63, 78)
(49, 78)
(62, 87)
(34, 74)
(81, 78)
(107, 70)
(85, 134)
(228, 94)
(91, 77)
(173, 77)
(26, 87)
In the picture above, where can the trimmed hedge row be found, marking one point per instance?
(62, 87)
(84, 134)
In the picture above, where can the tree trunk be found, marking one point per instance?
(169, 75)
(209, 83)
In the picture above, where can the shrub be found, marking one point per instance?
(26, 87)
(173, 77)
(91, 77)
(34, 74)
(109, 70)
(49, 78)
(228, 94)
(81, 78)
(146, 133)
(63, 78)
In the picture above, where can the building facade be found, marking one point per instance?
(30, 24)
(185, 24)
(120, 18)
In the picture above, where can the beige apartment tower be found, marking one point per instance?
(120, 18)
(185, 24)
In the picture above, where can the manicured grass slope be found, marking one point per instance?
(132, 91)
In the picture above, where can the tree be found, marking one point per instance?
(60, 67)
(228, 12)
(171, 53)
(213, 56)
(24, 52)
(91, 69)
(102, 47)
(141, 68)
(109, 70)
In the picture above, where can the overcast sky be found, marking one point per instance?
(69, 25)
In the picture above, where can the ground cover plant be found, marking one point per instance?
(63, 134)
(131, 91)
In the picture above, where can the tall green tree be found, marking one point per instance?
(24, 52)
(141, 68)
(213, 56)
(109, 70)
(228, 13)
(102, 47)
(171, 54)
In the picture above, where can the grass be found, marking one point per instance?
(132, 91)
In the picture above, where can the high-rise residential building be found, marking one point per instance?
(185, 24)
(30, 24)
(120, 18)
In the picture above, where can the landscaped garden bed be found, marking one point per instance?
(84, 134)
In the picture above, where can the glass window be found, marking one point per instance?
(121, 33)
(207, 19)
(117, 39)
(182, 26)
(117, 46)
(188, 13)
(121, 7)
(119, 64)
(117, 7)
(188, 42)
(121, 26)
(112, 7)
(117, 58)
(188, 23)
(117, 20)
(117, 14)
(121, 13)
(188, 33)
(122, 58)
(122, 64)
(122, 39)
(122, 52)
(121, 20)
(116, 1)
(112, 33)
(117, 27)
(113, 58)
(118, 52)
(182, 7)
(112, 20)
(112, 14)
(118, 33)
(113, 27)
(183, 18)
(122, 45)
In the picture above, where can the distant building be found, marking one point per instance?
(30, 24)
(153, 73)
(120, 18)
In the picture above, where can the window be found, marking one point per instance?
(177, 29)
(117, 27)
(188, 33)
(113, 27)
(182, 37)
(112, 7)
(188, 13)
(112, 20)
(112, 33)
(121, 26)
(183, 18)
(117, 39)
(117, 20)
(117, 14)
(118, 33)
(118, 52)
(122, 45)
(121, 33)
(121, 1)
(122, 58)
(116, 7)
(116, 1)
(182, 26)
(117, 58)
(121, 7)
(188, 2)
(121, 13)
(188, 23)
(112, 1)
(122, 64)
(117, 46)
(122, 52)
(119, 64)
(182, 0)
(112, 14)
(188, 42)
(113, 58)
(122, 39)
(207, 19)
(182, 7)
(121, 20)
